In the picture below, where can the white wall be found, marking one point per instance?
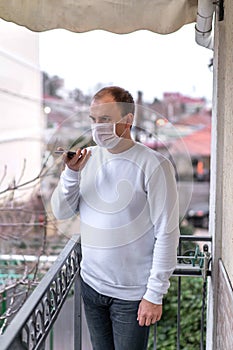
(222, 145)
(221, 191)
(21, 118)
(226, 88)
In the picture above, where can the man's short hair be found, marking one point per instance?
(120, 95)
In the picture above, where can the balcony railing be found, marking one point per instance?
(32, 324)
(191, 262)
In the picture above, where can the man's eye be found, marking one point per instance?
(101, 119)
(92, 119)
(105, 119)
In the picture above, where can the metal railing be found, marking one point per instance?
(192, 262)
(32, 324)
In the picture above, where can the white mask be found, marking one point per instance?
(104, 135)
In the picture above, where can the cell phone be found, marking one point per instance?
(70, 154)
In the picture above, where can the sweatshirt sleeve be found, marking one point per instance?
(164, 212)
(65, 198)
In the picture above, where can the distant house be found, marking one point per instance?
(196, 145)
(180, 127)
(177, 104)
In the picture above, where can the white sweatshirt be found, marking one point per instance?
(129, 216)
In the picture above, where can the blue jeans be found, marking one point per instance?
(113, 322)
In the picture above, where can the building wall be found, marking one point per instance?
(227, 67)
(224, 315)
(21, 120)
(221, 191)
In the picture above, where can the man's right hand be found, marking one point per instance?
(78, 161)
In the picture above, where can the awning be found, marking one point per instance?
(117, 16)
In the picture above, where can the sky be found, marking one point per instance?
(142, 60)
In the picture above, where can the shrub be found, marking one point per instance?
(190, 310)
(190, 316)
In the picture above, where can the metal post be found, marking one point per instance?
(155, 337)
(77, 314)
(178, 303)
(51, 339)
(178, 312)
(3, 306)
(205, 271)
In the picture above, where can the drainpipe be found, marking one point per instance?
(203, 28)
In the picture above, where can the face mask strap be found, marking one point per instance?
(114, 129)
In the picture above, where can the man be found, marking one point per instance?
(126, 196)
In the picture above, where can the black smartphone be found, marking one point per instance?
(70, 154)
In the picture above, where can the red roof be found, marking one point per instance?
(203, 118)
(198, 143)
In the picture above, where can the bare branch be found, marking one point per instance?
(17, 219)
(15, 186)
(4, 174)
(22, 172)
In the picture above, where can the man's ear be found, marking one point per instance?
(129, 120)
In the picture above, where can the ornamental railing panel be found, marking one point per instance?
(31, 325)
